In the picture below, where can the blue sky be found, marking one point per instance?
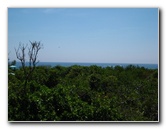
(101, 35)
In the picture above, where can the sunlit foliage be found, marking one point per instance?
(80, 93)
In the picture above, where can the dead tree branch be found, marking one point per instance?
(33, 51)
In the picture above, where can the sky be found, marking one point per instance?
(94, 35)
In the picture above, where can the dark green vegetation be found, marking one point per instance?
(80, 93)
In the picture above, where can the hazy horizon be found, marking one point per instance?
(92, 35)
(89, 62)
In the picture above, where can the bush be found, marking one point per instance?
(80, 93)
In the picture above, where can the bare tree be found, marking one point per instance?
(32, 54)
(20, 54)
(33, 51)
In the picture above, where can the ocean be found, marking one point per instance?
(68, 64)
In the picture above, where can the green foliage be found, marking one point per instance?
(80, 93)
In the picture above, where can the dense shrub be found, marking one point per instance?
(80, 93)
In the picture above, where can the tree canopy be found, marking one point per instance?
(82, 93)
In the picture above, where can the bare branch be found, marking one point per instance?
(32, 54)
